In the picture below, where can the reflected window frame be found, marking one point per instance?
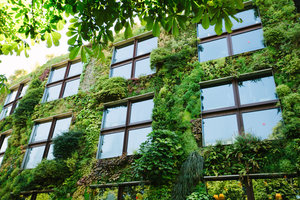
(228, 36)
(238, 109)
(3, 136)
(47, 143)
(62, 81)
(13, 102)
(126, 128)
(133, 59)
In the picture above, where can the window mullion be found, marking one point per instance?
(125, 144)
(47, 145)
(229, 44)
(238, 105)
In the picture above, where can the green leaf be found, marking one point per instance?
(228, 24)
(72, 40)
(110, 35)
(181, 21)
(89, 51)
(83, 55)
(73, 20)
(149, 22)
(205, 21)
(60, 25)
(70, 33)
(156, 29)
(175, 30)
(118, 26)
(56, 37)
(18, 15)
(199, 15)
(48, 40)
(74, 52)
(218, 26)
(128, 31)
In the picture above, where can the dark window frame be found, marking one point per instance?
(14, 102)
(63, 81)
(132, 59)
(228, 36)
(47, 143)
(126, 127)
(238, 109)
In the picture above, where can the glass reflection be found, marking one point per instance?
(115, 116)
(61, 126)
(217, 97)
(261, 123)
(11, 97)
(112, 145)
(34, 156)
(141, 111)
(24, 89)
(223, 129)
(52, 93)
(249, 41)
(142, 68)
(213, 50)
(257, 90)
(57, 74)
(4, 144)
(146, 46)
(136, 138)
(121, 71)
(123, 53)
(75, 69)
(41, 132)
(1, 159)
(249, 17)
(71, 88)
(208, 32)
(50, 155)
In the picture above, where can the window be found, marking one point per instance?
(125, 127)
(12, 100)
(238, 106)
(3, 146)
(246, 36)
(132, 60)
(63, 81)
(40, 145)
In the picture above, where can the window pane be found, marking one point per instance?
(50, 155)
(213, 50)
(257, 90)
(142, 68)
(249, 41)
(114, 116)
(222, 129)
(261, 123)
(24, 89)
(75, 69)
(5, 112)
(146, 46)
(11, 97)
(136, 138)
(61, 126)
(57, 74)
(4, 144)
(112, 145)
(141, 111)
(52, 93)
(217, 97)
(249, 17)
(41, 132)
(34, 156)
(71, 88)
(122, 71)
(208, 32)
(123, 53)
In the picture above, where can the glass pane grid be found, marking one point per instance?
(259, 121)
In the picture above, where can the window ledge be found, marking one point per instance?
(132, 38)
(19, 83)
(242, 76)
(138, 97)
(62, 115)
(7, 132)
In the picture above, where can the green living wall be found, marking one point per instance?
(176, 119)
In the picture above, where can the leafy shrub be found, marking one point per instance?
(191, 173)
(66, 144)
(199, 196)
(161, 156)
